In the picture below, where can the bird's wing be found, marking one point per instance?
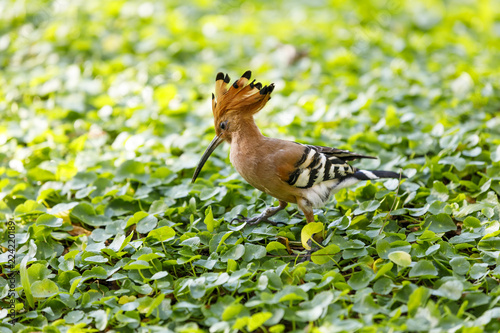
(306, 166)
(345, 155)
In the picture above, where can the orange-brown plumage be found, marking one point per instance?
(242, 97)
(289, 171)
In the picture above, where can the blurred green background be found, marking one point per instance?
(77, 68)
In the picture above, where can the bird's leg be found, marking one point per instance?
(264, 217)
(306, 207)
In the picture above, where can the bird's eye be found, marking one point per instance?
(223, 125)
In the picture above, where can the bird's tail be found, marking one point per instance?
(375, 174)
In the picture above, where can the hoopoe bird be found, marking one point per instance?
(289, 171)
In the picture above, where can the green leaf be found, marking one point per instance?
(472, 222)
(386, 268)
(45, 288)
(137, 264)
(146, 224)
(37, 272)
(149, 256)
(120, 241)
(488, 243)
(73, 317)
(25, 281)
(41, 175)
(275, 246)
(383, 248)
(158, 207)
(417, 299)
(159, 275)
(96, 259)
(383, 286)
(85, 213)
(100, 318)
(423, 268)
(131, 170)
(74, 285)
(367, 206)
(254, 252)
(232, 311)
(209, 219)
(96, 272)
(440, 223)
(49, 221)
(325, 254)
(478, 271)
(235, 252)
(232, 265)
(198, 288)
(472, 208)
(29, 207)
(240, 323)
(360, 279)
(257, 320)
(290, 293)
(218, 241)
(495, 154)
(341, 223)
(400, 258)
(460, 265)
(366, 305)
(451, 289)
(161, 234)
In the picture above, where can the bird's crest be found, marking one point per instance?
(243, 96)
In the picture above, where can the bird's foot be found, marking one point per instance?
(307, 255)
(255, 220)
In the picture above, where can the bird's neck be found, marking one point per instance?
(247, 132)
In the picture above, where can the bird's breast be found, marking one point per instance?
(247, 165)
(259, 171)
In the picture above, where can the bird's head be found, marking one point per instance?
(232, 105)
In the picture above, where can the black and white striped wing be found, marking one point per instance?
(319, 164)
(345, 155)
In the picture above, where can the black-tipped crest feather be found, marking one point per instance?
(241, 96)
(247, 75)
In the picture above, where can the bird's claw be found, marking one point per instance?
(307, 255)
(240, 218)
(258, 219)
(254, 220)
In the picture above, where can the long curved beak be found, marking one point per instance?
(211, 147)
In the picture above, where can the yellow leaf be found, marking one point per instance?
(257, 320)
(308, 231)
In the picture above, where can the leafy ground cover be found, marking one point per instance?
(105, 111)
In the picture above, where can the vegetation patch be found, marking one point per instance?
(105, 111)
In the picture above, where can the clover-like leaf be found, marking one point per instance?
(423, 268)
(44, 288)
(325, 254)
(308, 232)
(400, 258)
